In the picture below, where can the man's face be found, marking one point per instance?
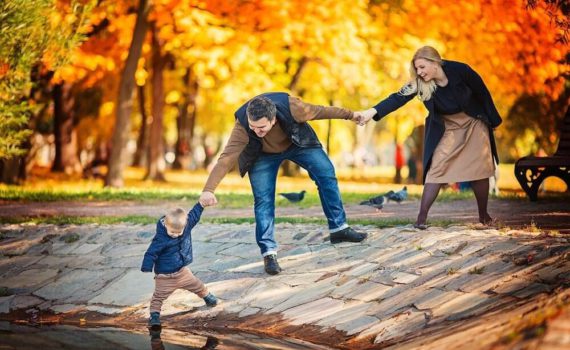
(262, 126)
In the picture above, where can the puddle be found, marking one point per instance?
(20, 337)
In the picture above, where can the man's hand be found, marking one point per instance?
(207, 199)
(363, 117)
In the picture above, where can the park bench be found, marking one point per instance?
(531, 171)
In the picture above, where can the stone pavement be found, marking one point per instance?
(441, 288)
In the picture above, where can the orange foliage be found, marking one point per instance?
(514, 49)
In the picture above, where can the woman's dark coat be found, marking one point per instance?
(473, 97)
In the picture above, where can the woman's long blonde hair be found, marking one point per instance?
(424, 89)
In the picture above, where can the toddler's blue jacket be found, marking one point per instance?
(167, 254)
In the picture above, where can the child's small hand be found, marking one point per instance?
(207, 199)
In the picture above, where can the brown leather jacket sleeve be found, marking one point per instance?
(303, 111)
(228, 159)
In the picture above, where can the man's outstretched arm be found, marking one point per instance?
(228, 160)
(302, 111)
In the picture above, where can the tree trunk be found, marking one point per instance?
(125, 100)
(142, 141)
(10, 170)
(156, 163)
(297, 76)
(185, 122)
(210, 153)
(66, 159)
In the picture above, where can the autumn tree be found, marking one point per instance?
(124, 102)
(35, 37)
(516, 51)
(155, 163)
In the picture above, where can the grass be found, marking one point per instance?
(225, 199)
(452, 271)
(236, 199)
(145, 220)
(356, 185)
(477, 270)
(79, 220)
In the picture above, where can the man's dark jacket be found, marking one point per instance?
(167, 254)
(300, 134)
(472, 95)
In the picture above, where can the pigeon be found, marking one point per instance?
(294, 197)
(399, 196)
(376, 202)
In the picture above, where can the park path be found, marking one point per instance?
(453, 287)
(546, 214)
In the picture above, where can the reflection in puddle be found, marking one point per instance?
(70, 337)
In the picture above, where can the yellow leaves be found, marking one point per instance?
(107, 108)
(141, 76)
(173, 96)
(55, 19)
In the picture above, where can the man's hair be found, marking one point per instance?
(175, 221)
(261, 107)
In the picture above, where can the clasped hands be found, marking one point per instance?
(207, 199)
(363, 117)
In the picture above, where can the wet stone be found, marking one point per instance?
(5, 303)
(398, 326)
(30, 278)
(123, 250)
(313, 311)
(468, 304)
(122, 293)
(24, 302)
(403, 277)
(357, 325)
(349, 312)
(248, 311)
(435, 297)
(316, 291)
(77, 285)
(533, 289)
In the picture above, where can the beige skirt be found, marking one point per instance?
(463, 153)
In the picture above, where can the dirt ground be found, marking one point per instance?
(548, 214)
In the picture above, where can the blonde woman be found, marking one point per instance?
(458, 145)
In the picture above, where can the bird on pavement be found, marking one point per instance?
(376, 202)
(294, 197)
(399, 196)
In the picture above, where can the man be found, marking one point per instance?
(269, 129)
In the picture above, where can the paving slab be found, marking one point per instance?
(78, 285)
(313, 311)
(30, 278)
(132, 288)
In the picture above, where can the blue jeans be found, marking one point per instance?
(263, 176)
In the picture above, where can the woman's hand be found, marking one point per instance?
(363, 117)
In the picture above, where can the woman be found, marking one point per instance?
(459, 144)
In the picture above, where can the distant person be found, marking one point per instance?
(399, 162)
(412, 168)
(169, 252)
(459, 145)
(269, 129)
